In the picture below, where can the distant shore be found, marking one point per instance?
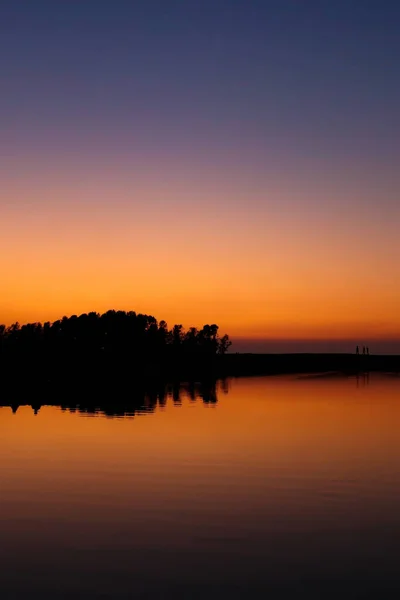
(96, 371)
(123, 387)
(269, 364)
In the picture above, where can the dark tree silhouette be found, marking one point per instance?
(114, 341)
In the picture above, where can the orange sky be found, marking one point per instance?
(239, 170)
(254, 272)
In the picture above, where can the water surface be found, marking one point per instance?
(275, 487)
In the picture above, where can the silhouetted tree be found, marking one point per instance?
(114, 339)
(223, 344)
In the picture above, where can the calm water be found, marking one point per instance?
(283, 488)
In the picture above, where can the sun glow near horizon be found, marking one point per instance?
(167, 186)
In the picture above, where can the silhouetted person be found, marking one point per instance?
(357, 350)
(367, 350)
(363, 349)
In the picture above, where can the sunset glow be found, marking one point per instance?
(250, 183)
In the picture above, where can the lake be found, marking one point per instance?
(279, 487)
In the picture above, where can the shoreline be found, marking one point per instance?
(95, 371)
(266, 364)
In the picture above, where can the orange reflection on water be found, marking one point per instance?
(316, 423)
(281, 470)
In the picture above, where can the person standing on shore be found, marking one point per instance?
(357, 350)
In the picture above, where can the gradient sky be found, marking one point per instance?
(233, 161)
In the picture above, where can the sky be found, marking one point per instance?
(228, 161)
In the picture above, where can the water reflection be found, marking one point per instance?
(127, 403)
(284, 488)
(362, 379)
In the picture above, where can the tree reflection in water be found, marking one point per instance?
(118, 401)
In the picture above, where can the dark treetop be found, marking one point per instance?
(114, 342)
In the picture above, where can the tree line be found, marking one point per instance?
(112, 334)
